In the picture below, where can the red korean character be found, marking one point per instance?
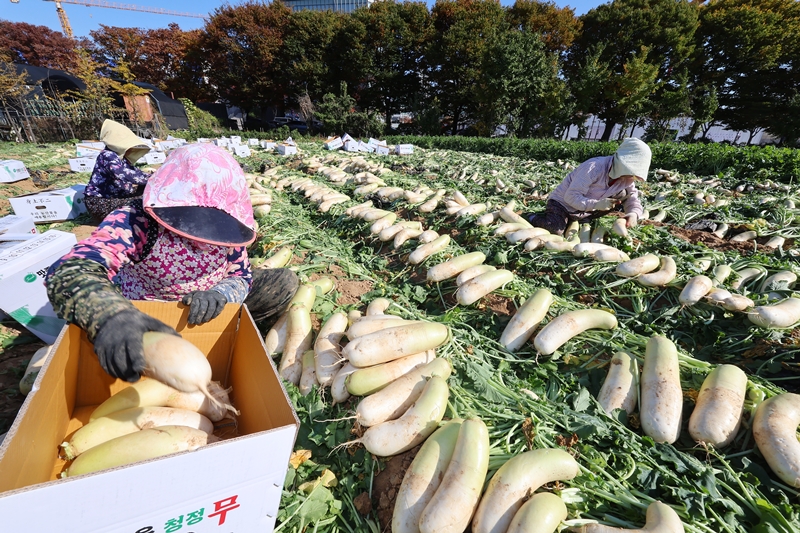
(222, 507)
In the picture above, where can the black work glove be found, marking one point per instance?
(204, 305)
(118, 343)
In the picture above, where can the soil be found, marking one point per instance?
(350, 290)
(710, 240)
(386, 485)
(13, 361)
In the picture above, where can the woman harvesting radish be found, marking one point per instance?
(184, 240)
(596, 187)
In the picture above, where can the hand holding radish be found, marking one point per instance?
(632, 220)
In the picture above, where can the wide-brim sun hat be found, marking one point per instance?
(123, 141)
(200, 192)
(632, 158)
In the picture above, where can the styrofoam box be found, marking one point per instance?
(52, 205)
(230, 486)
(22, 272)
(241, 150)
(252, 142)
(12, 170)
(404, 149)
(268, 145)
(286, 149)
(382, 149)
(81, 164)
(333, 143)
(15, 229)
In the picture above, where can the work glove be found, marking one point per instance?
(605, 204)
(118, 343)
(204, 305)
(633, 219)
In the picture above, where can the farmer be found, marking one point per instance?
(115, 180)
(596, 187)
(183, 240)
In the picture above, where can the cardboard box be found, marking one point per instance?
(22, 272)
(15, 229)
(241, 150)
(246, 472)
(89, 149)
(366, 147)
(252, 142)
(52, 205)
(382, 149)
(333, 143)
(166, 145)
(204, 140)
(268, 145)
(286, 149)
(12, 170)
(236, 139)
(81, 164)
(154, 158)
(351, 145)
(346, 137)
(404, 149)
(223, 142)
(375, 142)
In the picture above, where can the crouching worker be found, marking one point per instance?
(184, 240)
(115, 180)
(595, 188)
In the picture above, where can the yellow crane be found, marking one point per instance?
(62, 15)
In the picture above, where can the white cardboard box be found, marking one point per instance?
(154, 158)
(333, 143)
(346, 137)
(375, 142)
(22, 272)
(89, 149)
(52, 205)
(268, 145)
(231, 486)
(382, 149)
(351, 145)
(15, 229)
(12, 170)
(223, 142)
(166, 145)
(287, 149)
(404, 149)
(82, 164)
(366, 147)
(241, 150)
(252, 142)
(236, 139)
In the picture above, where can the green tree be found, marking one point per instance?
(586, 80)
(557, 26)
(704, 104)
(13, 90)
(463, 29)
(665, 28)
(339, 115)
(397, 35)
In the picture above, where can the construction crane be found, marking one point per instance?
(62, 15)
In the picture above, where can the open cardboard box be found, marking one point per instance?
(235, 483)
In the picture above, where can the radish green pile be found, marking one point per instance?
(529, 400)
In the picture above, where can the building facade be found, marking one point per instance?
(340, 6)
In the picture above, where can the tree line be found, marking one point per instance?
(533, 67)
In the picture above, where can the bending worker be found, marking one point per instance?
(115, 180)
(595, 188)
(184, 240)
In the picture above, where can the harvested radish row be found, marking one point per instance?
(567, 325)
(473, 272)
(423, 477)
(453, 267)
(514, 481)
(479, 286)
(661, 394)
(775, 432)
(455, 501)
(718, 411)
(640, 265)
(525, 321)
(662, 276)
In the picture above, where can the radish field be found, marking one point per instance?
(375, 225)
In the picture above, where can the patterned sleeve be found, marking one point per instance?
(120, 177)
(236, 286)
(79, 284)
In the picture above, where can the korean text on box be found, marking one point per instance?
(51, 205)
(12, 170)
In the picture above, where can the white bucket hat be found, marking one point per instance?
(632, 158)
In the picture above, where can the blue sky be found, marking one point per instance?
(84, 19)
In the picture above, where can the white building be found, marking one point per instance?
(340, 6)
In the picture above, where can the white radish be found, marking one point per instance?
(423, 476)
(473, 272)
(453, 267)
(339, 392)
(611, 255)
(747, 274)
(744, 236)
(393, 400)
(479, 286)
(697, 287)
(522, 235)
(640, 265)
(427, 236)
(662, 276)
(660, 518)
(508, 214)
(567, 325)
(785, 279)
(370, 324)
(424, 251)
(781, 315)
(455, 501)
(421, 419)
(511, 227)
(395, 342)
(299, 339)
(619, 227)
(621, 386)
(514, 481)
(718, 411)
(473, 209)
(308, 375)
(327, 348)
(737, 302)
(404, 235)
(661, 395)
(542, 513)
(368, 380)
(382, 223)
(378, 306)
(775, 432)
(525, 321)
(588, 248)
(279, 259)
